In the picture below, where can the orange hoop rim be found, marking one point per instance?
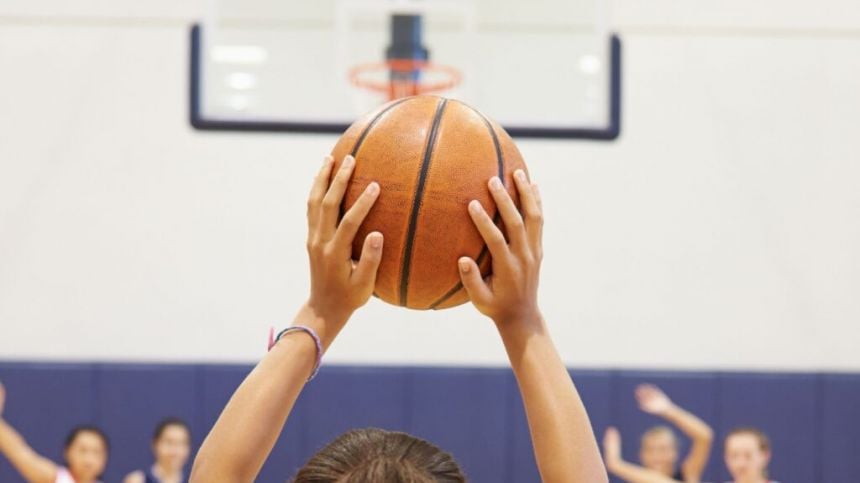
(356, 73)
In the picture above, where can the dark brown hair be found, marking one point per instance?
(380, 456)
(86, 428)
(168, 422)
(759, 435)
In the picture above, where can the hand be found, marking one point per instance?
(652, 400)
(339, 285)
(509, 295)
(611, 446)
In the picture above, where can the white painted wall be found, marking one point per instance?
(721, 230)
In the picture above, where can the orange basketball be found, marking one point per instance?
(431, 156)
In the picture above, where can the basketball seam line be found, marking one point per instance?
(372, 123)
(500, 159)
(358, 142)
(416, 202)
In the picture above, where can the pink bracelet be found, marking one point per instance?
(301, 328)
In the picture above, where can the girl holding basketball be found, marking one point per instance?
(85, 451)
(659, 447)
(561, 433)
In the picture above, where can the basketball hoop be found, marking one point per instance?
(405, 77)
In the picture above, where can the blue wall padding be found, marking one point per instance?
(477, 414)
(839, 427)
(475, 402)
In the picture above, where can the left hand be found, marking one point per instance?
(339, 284)
(652, 400)
(509, 295)
(611, 446)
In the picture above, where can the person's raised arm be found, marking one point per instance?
(32, 466)
(627, 471)
(563, 441)
(248, 427)
(654, 401)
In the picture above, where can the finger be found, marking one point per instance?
(470, 275)
(318, 189)
(333, 198)
(371, 254)
(353, 218)
(532, 213)
(489, 231)
(510, 215)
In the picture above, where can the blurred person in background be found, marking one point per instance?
(85, 451)
(659, 447)
(171, 447)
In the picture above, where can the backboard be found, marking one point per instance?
(542, 68)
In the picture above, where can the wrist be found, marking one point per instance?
(613, 462)
(520, 324)
(327, 323)
(669, 411)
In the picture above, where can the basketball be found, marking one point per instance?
(430, 156)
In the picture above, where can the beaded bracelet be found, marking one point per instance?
(301, 328)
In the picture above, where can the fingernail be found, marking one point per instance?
(372, 188)
(520, 174)
(376, 240)
(348, 161)
(327, 160)
(475, 206)
(464, 265)
(495, 183)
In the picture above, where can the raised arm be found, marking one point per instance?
(652, 400)
(627, 471)
(248, 427)
(32, 466)
(563, 441)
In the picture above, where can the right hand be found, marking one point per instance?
(339, 285)
(509, 295)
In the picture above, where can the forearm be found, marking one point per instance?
(635, 474)
(701, 435)
(689, 423)
(250, 424)
(29, 464)
(563, 441)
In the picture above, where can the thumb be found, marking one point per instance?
(475, 286)
(368, 264)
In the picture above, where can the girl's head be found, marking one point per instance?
(377, 455)
(171, 444)
(658, 450)
(747, 453)
(86, 452)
